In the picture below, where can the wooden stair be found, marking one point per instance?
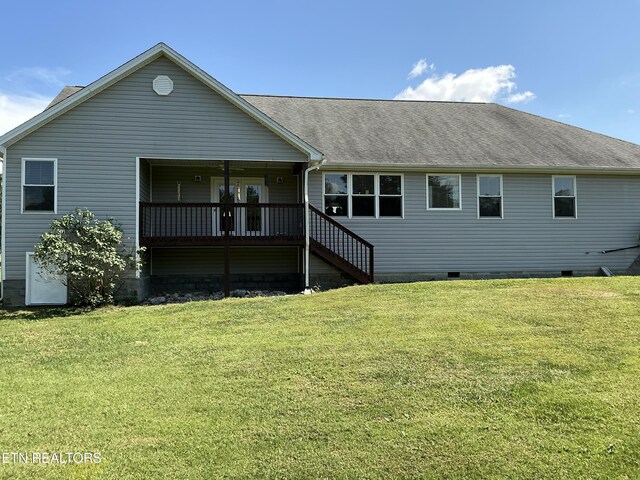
(338, 246)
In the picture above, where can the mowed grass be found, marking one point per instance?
(464, 379)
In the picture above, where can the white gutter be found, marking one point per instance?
(307, 235)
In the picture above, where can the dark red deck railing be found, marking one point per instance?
(184, 224)
(341, 246)
(213, 223)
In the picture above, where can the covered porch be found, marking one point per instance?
(215, 203)
(230, 206)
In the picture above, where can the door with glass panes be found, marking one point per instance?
(249, 220)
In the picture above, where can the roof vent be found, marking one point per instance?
(162, 85)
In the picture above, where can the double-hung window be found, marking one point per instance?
(564, 196)
(490, 196)
(336, 194)
(390, 196)
(443, 192)
(39, 185)
(362, 195)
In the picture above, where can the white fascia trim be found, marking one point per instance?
(425, 168)
(137, 63)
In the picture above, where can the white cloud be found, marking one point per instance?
(17, 109)
(419, 68)
(43, 75)
(521, 97)
(488, 84)
(631, 111)
(564, 115)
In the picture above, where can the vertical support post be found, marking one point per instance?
(226, 215)
(307, 233)
(371, 264)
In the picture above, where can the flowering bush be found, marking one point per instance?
(89, 256)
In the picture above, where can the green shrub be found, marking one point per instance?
(89, 254)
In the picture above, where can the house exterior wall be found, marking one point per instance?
(165, 178)
(528, 240)
(97, 143)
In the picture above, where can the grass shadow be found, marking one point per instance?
(40, 313)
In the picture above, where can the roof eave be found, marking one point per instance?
(424, 167)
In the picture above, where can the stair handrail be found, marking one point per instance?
(350, 233)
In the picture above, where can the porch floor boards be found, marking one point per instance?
(233, 241)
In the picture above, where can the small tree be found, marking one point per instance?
(89, 254)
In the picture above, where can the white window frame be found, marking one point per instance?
(376, 189)
(444, 209)
(55, 186)
(348, 194)
(575, 197)
(392, 174)
(480, 175)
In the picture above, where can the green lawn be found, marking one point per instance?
(462, 379)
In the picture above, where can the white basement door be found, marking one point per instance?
(43, 288)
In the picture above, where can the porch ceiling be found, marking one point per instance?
(244, 164)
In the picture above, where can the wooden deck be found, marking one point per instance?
(255, 224)
(202, 224)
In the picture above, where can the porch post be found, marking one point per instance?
(226, 215)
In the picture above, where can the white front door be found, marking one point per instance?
(43, 287)
(245, 191)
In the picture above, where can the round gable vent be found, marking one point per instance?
(162, 85)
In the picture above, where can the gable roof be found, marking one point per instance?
(75, 98)
(458, 135)
(393, 133)
(65, 93)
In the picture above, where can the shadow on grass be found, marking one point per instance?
(40, 313)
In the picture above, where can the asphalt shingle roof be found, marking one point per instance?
(447, 134)
(437, 134)
(63, 95)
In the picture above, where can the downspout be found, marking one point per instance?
(3, 158)
(307, 235)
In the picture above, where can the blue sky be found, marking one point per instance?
(573, 61)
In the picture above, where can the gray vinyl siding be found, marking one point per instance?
(210, 260)
(528, 239)
(164, 185)
(97, 142)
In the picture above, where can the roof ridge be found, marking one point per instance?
(359, 99)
